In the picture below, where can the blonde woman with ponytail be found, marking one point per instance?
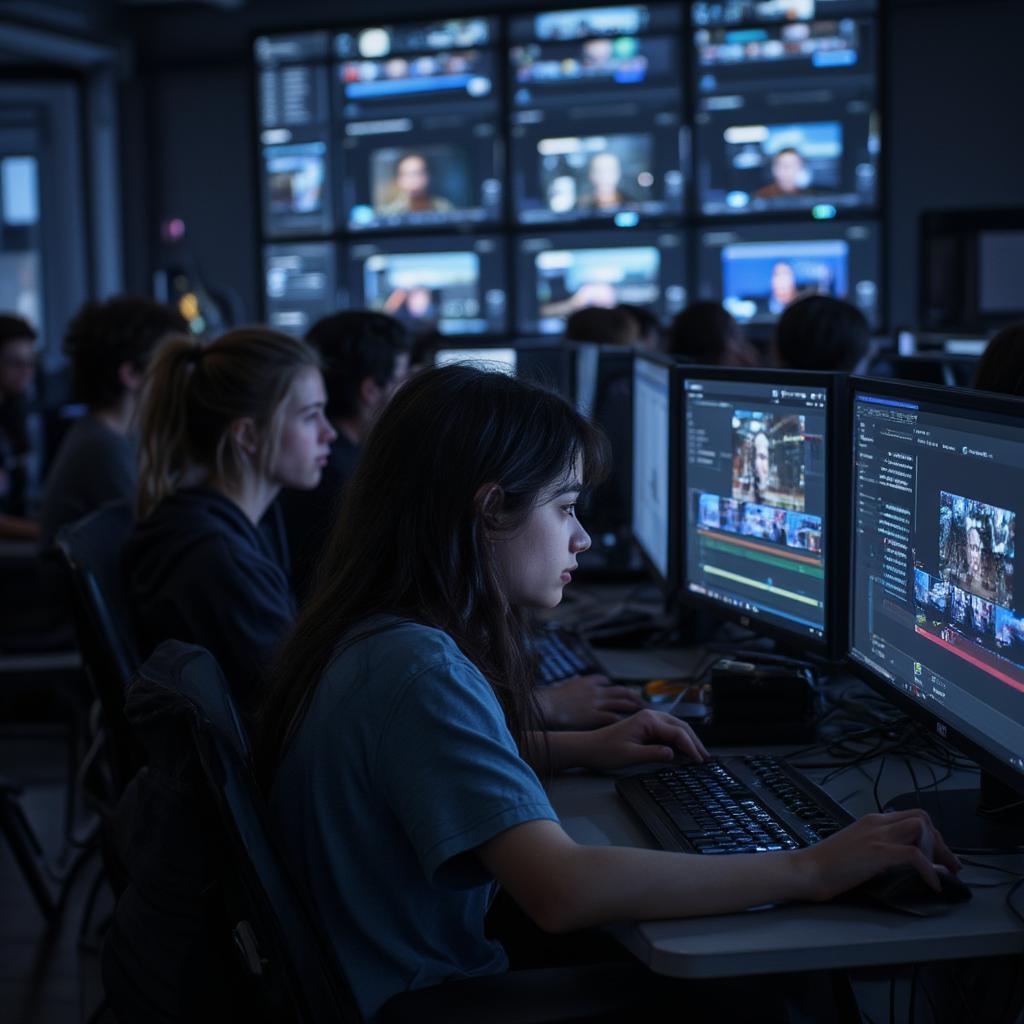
(223, 428)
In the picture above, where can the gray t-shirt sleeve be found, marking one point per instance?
(451, 772)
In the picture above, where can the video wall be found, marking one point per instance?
(488, 176)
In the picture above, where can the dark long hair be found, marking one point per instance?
(412, 537)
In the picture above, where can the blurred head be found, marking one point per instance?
(821, 333)
(1001, 367)
(412, 175)
(705, 333)
(17, 356)
(788, 170)
(248, 406)
(783, 283)
(110, 345)
(365, 357)
(974, 551)
(762, 466)
(605, 173)
(460, 513)
(649, 334)
(605, 326)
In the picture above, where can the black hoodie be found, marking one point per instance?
(199, 571)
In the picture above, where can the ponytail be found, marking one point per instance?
(193, 393)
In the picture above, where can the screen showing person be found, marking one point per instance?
(572, 279)
(295, 177)
(768, 462)
(976, 547)
(423, 289)
(594, 174)
(761, 278)
(429, 179)
(404, 182)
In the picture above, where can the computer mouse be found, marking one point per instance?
(904, 890)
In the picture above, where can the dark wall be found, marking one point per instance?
(952, 107)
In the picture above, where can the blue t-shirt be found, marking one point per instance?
(402, 766)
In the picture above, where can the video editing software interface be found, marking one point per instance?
(590, 145)
(652, 382)
(756, 270)
(755, 499)
(936, 609)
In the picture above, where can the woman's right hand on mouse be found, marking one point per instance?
(872, 845)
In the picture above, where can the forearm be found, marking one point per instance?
(602, 884)
(549, 753)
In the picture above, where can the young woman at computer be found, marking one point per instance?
(396, 736)
(223, 428)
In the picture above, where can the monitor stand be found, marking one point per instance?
(990, 817)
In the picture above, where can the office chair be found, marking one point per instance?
(182, 709)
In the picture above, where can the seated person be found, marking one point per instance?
(404, 698)
(17, 373)
(365, 358)
(649, 332)
(821, 333)
(789, 176)
(1001, 367)
(411, 189)
(109, 345)
(616, 326)
(604, 176)
(222, 429)
(705, 333)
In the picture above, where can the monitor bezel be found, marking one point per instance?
(834, 643)
(668, 582)
(975, 402)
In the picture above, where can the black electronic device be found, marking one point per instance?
(936, 614)
(756, 270)
(452, 285)
(561, 272)
(596, 131)
(654, 519)
(763, 507)
(561, 653)
(299, 284)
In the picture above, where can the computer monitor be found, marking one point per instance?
(655, 465)
(454, 285)
(787, 118)
(420, 105)
(936, 609)
(560, 273)
(761, 497)
(596, 130)
(299, 284)
(756, 270)
(548, 362)
(499, 358)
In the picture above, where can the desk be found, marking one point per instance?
(781, 939)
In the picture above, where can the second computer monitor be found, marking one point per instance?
(760, 500)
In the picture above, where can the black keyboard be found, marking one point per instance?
(561, 654)
(749, 804)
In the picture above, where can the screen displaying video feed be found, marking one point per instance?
(786, 118)
(420, 141)
(651, 427)
(560, 274)
(757, 270)
(294, 118)
(448, 285)
(755, 499)
(936, 609)
(299, 285)
(745, 12)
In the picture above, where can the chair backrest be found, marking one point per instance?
(91, 552)
(282, 947)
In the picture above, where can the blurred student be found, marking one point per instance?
(705, 333)
(649, 333)
(109, 345)
(1001, 367)
(365, 358)
(222, 429)
(17, 374)
(615, 326)
(821, 333)
(411, 189)
(402, 702)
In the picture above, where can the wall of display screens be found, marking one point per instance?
(485, 176)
